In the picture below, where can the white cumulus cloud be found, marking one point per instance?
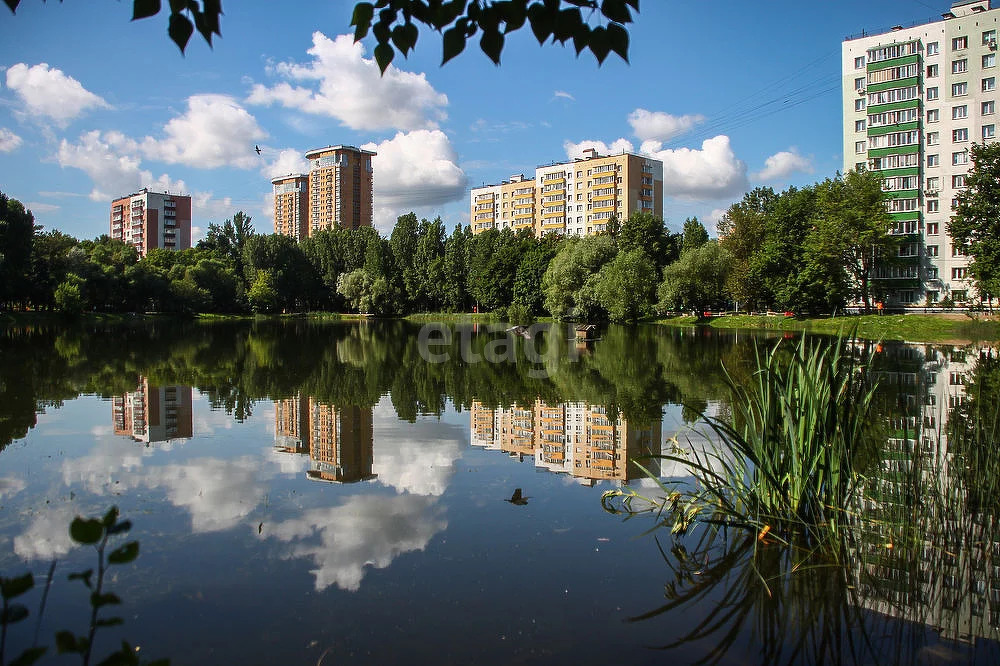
(714, 172)
(287, 162)
(50, 92)
(784, 164)
(215, 131)
(414, 170)
(113, 162)
(575, 150)
(660, 126)
(341, 83)
(9, 142)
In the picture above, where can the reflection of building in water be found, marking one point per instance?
(153, 413)
(950, 581)
(573, 438)
(338, 440)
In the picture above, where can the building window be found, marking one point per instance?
(858, 166)
(932, 71)
(932, 228)
(933, 160)
(933, 48)
(989, 84)
(932, 138)
(958, 180)
(959, 89)
(960, 135)
(860, 146)
(932, 273)
(989, 108)
(989, 131)
(932, 206)
(859, 62)
(958, 159)
(932, 250)
(958, 273)
(989, 60)
(959, 66)
(933, 184)
(932, 93)
(933, 115)
(989, 37)
(859, 83)
(859, 104)
(859, 125)
(959, 43)
(959, 112)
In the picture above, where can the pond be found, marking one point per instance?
(381, 492)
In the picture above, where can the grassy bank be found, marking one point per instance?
(452, 317)
(912, 328)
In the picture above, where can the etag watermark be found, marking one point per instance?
(542, 345)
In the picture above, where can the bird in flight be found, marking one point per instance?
(517, 498)
(257, 148)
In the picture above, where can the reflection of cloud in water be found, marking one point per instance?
(287, 464)
(10, 486)
(47, 536)
(413, 457)
(109, 460)
(365, 530)
(217, 493)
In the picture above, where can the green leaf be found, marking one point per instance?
(86, 530)
(567, 23)
(67, 641)
(382, 33)
(145, 8)
(581, 39)
(110, 517)
(110, 622)
(541, 22)
(28, 657)
(383, 56)
(616, 10)
(82, 575)
(362, 15)
(180, 30)
(618, 39)
(599, 44)
(453, 43)
(12, 4)
(123, 656)
(492, 44)
(119, 528)
(404, 37)
(177, 6)
(13, 613)
(104, 599)
(15, 587)
(124, 553)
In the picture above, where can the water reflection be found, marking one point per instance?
(338, 440)
(575, 438)
(153, 413)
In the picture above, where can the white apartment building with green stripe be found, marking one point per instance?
(915, 100)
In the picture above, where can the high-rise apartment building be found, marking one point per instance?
(915, 100)
(291, 205)
(576, 198)
(153, 413)
(150, 220)
(340, 188)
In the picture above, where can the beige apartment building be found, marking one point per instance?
(149, 220)
(291, 205)
(340, 188)
(576, 198)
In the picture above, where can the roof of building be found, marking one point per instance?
(353, 149)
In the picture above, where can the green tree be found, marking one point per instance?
(696, 281)
(229, 239)
(396, 26)
(694, 235)
(626, 286)
(292, 276)
(263, 296)
(975, 226)
(455, 293)
(741, 231)
(852, 228)
(68, 297)
(49, 264)
(17, 228)
(527, 287)
(646, 232)
(570, 281)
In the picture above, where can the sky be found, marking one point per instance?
(730, 95)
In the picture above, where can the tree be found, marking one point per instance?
(626, 286)
(696, 281)
(646, 232)
(17, 227)
(694, 236)
(975, 226)
(852, 227)
(453, 288)
(229, 239)
(396, 26)
(571, 279)
(741, 232)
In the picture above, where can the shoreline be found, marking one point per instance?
(955, 328)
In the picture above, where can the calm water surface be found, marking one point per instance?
(321, 493)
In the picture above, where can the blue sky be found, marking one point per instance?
(729, 94)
